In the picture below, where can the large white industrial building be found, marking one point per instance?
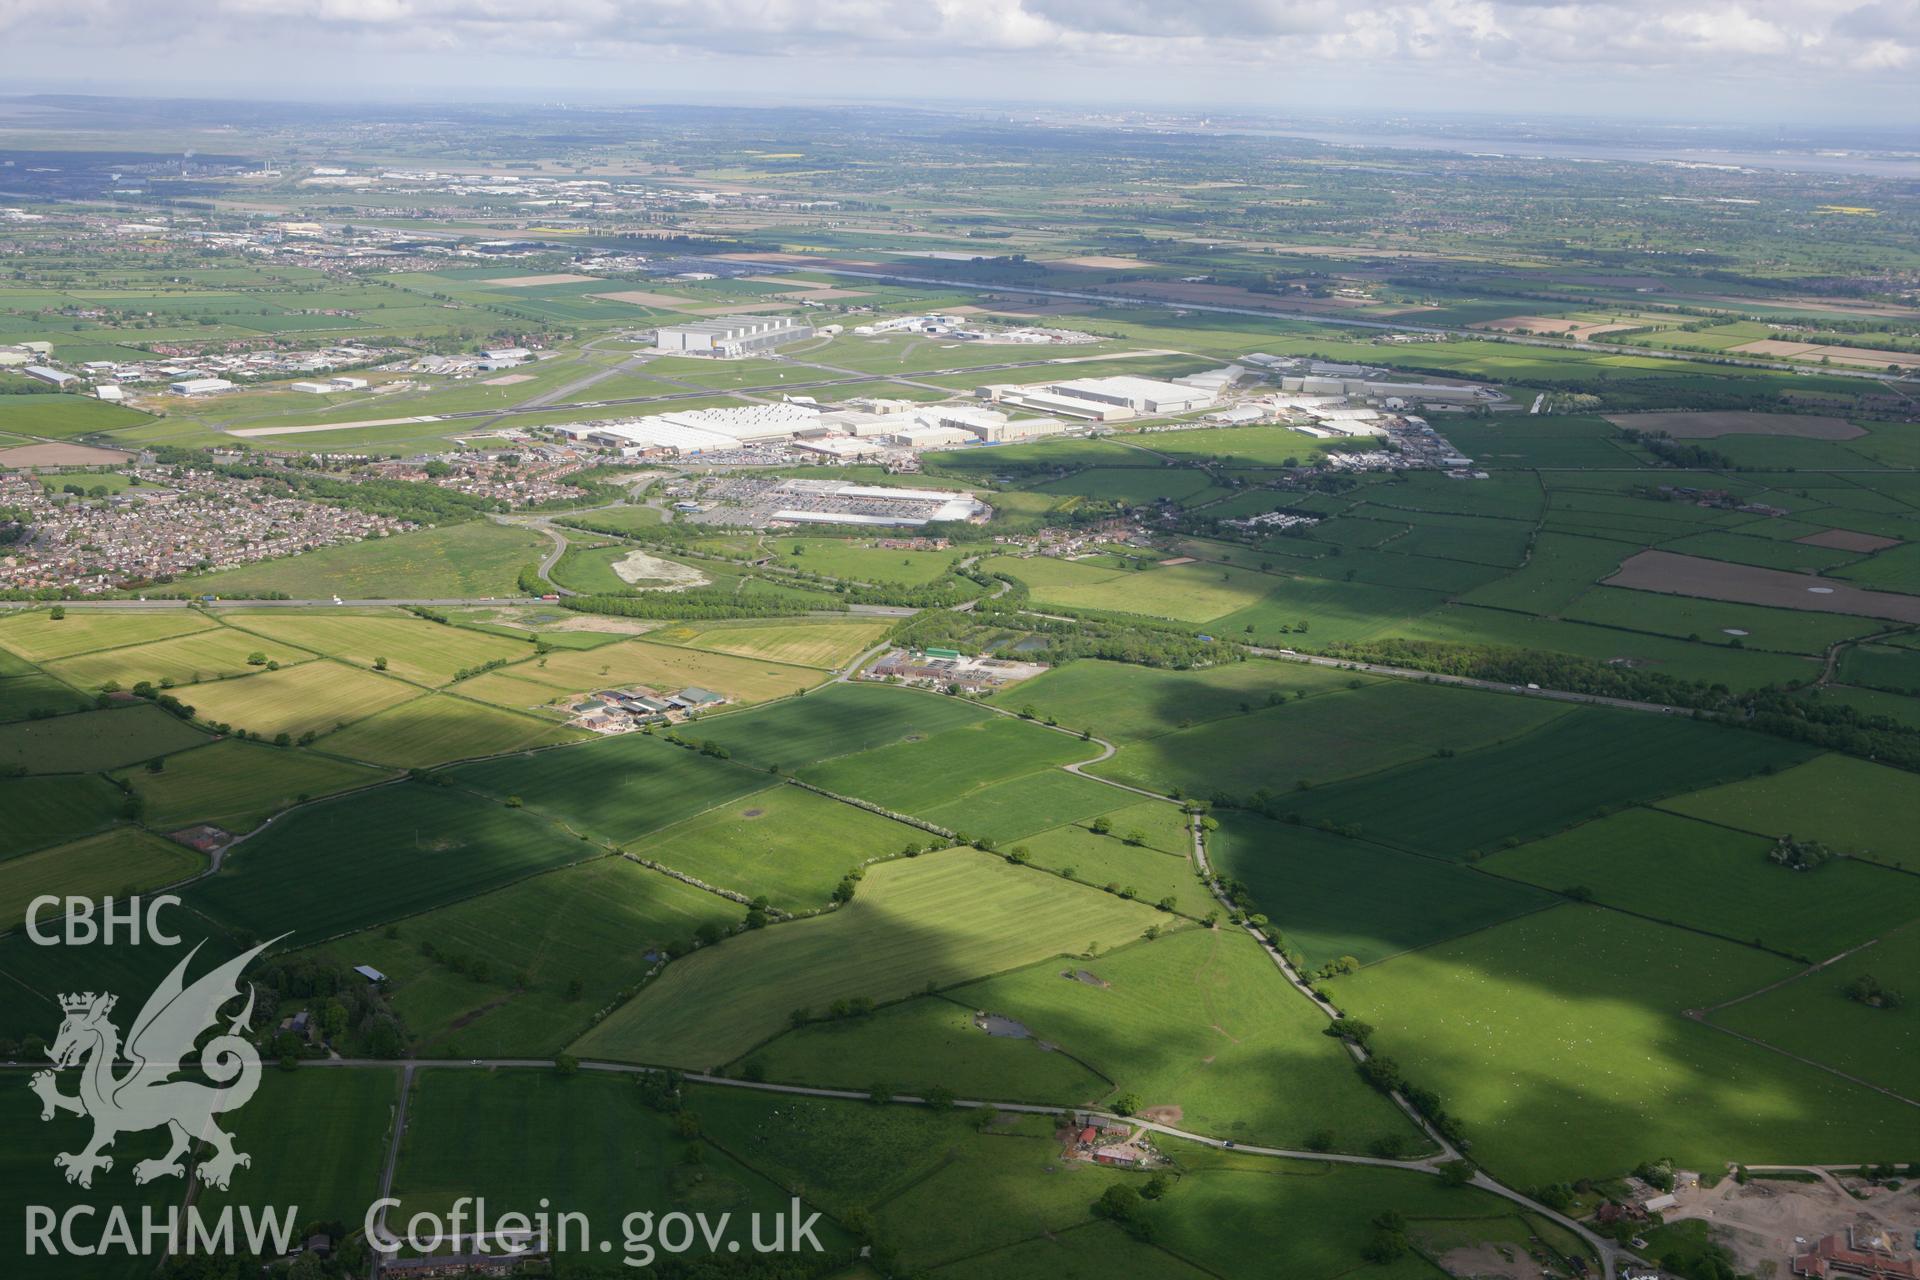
(731, 335)
(1107, 399)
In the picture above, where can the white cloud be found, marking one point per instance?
(1798, 43)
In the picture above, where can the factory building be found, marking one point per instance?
(199, 386)
(1142, 395)
(731, 335)
(41, 373)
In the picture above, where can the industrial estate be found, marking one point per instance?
(1146, 699)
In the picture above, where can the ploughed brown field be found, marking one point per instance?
(1849, 540)
(1735, 422)
(1678, 575)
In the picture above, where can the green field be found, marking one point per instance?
(189, 659)
(1849, 804)
(618, 788)
(381, 856)
(1155, 870)
(40, 637)
(314, 697)
(787, 844)
(1007, 811)
(802, 643)
(478, 558)
(939, 919)
(317, 1138)
(1321, 739)
(436, 729)
(238, 785)
(118, 863)
(1124, 703)
(1812, 1016)
(94, 740)
(31, 693)
(1184, 593)
(636, 662)
(859, 560)
(585, 1144)
(1199, 1021)
(926, 1043)
(1557, 1040)
(43, 811)
(1331, 897)
(949, 767)
(838, 720)
(1576, 767)
(499, 981)
(414, 649)
(1706, 877)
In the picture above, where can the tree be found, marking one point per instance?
(58, 612)
(1102, 826)
(879, 1093)
(566, 1064)
(379, 664)
(1455, 1173)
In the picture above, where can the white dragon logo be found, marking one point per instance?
(147, 1097)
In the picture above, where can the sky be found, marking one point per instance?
(1765, 61)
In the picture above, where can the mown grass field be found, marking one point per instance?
(40, 637)
(477, 558)
(1324, 738)
(1557, 1040)
(1813, 1017)
(415, 649)
(786, 843)
(1575, 768)
(1124, 704)
(1708, 877)
(925, 1043)
(834, 721)
(618, 788)
(586, 1143)
(911, 777)
(94, 740)
(238, 785)
(1849, 804)
(438, 728)
(188, 659)
(1331, 897)
(825, 645)
(635, 662)
(314, 697)
(1197, 1021)
(521, 949)
(120, 862)
(382, 856)
(939, 918)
